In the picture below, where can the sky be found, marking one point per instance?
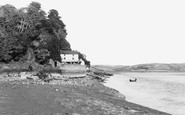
(122, 32)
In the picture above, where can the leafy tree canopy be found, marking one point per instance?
(31, 27)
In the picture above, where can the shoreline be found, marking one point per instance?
(97, 98)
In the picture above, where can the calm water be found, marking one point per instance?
(161, 91)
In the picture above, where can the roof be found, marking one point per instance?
(68, 52)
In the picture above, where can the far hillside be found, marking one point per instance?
(153, 67)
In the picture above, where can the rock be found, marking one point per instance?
(76, 114)
(4, 75)
(120, 95)
(24, 75)
(35, 77)
(14, 74)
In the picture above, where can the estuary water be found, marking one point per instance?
(161, 91)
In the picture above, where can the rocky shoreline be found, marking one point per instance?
(76, 96)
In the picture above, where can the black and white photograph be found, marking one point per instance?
(92, 57)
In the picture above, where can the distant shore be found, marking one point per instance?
(151, 67)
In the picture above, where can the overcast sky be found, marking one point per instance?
(122, 32)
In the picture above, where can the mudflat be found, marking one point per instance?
(78, 96)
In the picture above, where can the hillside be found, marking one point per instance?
(153, 67)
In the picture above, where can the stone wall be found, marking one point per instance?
(72, 68)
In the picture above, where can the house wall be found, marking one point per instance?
(69, 57)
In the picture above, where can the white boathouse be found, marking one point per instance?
(70, 57)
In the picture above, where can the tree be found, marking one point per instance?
(9, 11)
(55, 20)
(59, 29)
(64, 44)
(41, 56)
(52, 44)
(29, 27)
(36, 5)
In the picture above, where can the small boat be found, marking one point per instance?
(133, 80)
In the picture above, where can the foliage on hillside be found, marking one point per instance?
(152, 67)
(31, 28)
